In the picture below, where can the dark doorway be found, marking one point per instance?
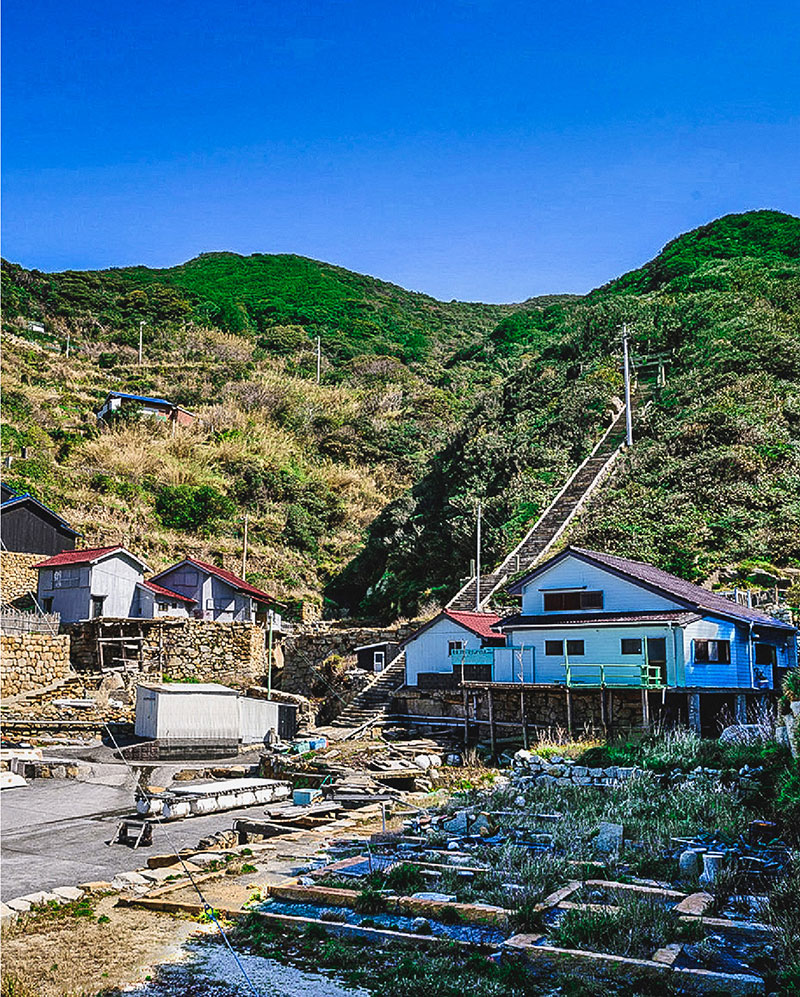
(657, 655)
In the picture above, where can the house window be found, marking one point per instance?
(163, 607)
(97, 606)
(555, 602)
(631, 645)
(47, 605)
(453, 646)
(66, 578)
(554, 647)
(575, 648)
(766, 654)
(187, 578)
(712, 650)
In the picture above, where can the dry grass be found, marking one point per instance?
(71, 957)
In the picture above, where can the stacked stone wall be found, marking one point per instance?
(309, 646)
(545, 709)
(180, 649)
(18, 577)
(32, 661)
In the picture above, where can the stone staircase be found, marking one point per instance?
(372, 702)
(551, 524)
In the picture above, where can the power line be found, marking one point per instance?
(207, 908)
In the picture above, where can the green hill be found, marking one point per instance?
(365, 486)
(283, 301)
(714, 476)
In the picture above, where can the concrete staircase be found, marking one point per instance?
(372, 703)
(551, 524)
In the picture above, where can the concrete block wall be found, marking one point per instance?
(17, 575)
(32, 661)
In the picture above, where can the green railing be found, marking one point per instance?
(640, 675)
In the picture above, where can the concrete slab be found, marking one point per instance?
(68, 893)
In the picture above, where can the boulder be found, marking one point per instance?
(610, 838)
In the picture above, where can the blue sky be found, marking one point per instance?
(471, 149)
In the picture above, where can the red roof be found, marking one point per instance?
(479, 623)
(78, 557)
(160, 590)
(230, 578)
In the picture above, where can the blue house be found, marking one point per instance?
(594, 621)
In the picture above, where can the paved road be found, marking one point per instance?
(57, 832)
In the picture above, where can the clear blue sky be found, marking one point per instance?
(475, 149)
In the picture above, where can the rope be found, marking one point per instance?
(208, 910)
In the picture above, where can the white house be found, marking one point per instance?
(597, 621)
(438, 651)
(86, 584)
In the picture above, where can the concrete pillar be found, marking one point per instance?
(741, 709)
(694, 710)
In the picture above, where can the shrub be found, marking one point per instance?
(188, 507)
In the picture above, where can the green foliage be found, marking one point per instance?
(190, 507)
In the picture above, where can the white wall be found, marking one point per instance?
(115, 578)
(187, 714)
(428, 652)
(619, 595)
(256, 717)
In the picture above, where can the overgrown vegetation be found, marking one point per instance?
(424, 408)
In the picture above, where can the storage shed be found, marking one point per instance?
(376, 657)
(188, 713)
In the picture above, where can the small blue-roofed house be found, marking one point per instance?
(154, 408)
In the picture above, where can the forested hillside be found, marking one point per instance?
(714, 476)
(365, 486)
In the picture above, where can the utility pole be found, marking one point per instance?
(142, 324)
(319, 356)
(478, 563)
(269, 654)
(627, 367)
(244, 548)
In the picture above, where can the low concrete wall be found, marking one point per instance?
(32, 661)
(17, 575)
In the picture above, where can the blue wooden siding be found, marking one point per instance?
(619, 595)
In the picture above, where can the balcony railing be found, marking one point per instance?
(638, 675)
(517, 665)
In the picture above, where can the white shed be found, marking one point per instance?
(188, 712)
(256, 717)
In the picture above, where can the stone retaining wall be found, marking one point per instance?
(308, 646)
(545, 709)
(183, 649)
(17, 575)
(32, 661)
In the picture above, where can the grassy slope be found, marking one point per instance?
(424, 407)
(714, 477)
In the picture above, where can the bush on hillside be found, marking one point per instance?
(189, 507)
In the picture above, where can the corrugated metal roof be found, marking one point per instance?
(88, 556)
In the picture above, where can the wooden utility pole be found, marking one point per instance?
(492, 725)
(627, 372)
(244, 548)
(478, 563)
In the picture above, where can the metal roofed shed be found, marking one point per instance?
(202, 715)
(185, 719)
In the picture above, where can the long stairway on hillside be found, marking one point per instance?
(551, 524)
(373, 702)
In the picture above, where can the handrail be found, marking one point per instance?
(507, 560)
